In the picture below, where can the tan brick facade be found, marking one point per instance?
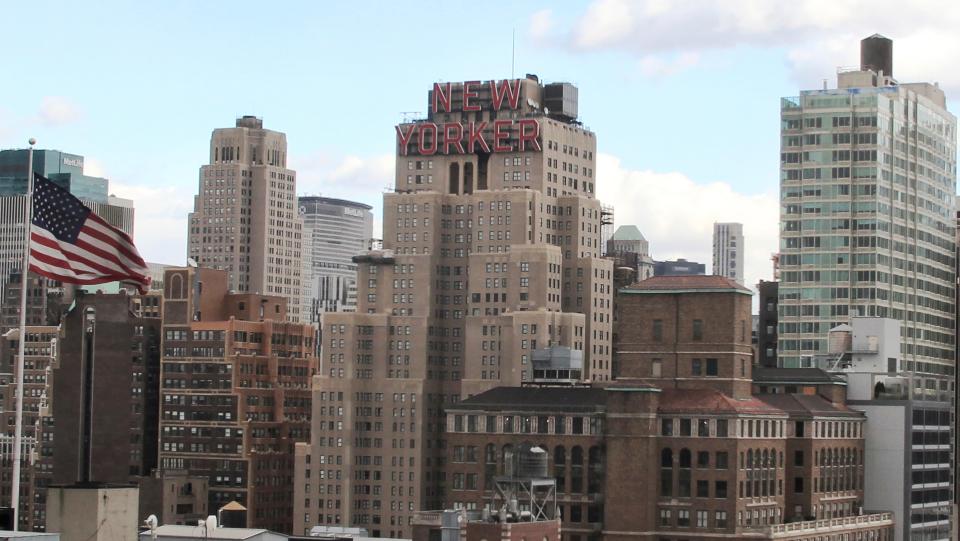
(488, 256)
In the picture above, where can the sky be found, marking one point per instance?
(683, 95)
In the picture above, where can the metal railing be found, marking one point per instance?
(864, 521)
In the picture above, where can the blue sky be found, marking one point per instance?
(684, 96)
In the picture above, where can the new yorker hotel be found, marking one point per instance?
(491, 253)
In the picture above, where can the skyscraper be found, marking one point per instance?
(334, 230)
(868, 178)
(492, 244)
(245, 218)
(728, 251)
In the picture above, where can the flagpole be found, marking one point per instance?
(18, 434)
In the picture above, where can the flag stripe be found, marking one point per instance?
(54, 247)
(104, 234)
(82, 250)
(71, 244)
(53, 272)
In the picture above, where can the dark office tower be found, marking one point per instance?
(110, 332)
(767, 324)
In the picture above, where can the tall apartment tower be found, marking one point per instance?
(245, 219)
(867, 184)
(235, 396)
(334, 230)
(491, 253)
(728, 251)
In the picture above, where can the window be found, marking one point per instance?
(656, 368)
(703, 459)
(683, 518)
(703, 428)
(701, 519)
(798, 458)
(664, 517)
(712, 369)
(696, 367)
(698, 329)
(657, 330)
(798, 485)
(721, 460)
(720, 519)
(703, 489)
(798, 429)
(666, 427)
(721, 428)
(720, 489)
(685, 427)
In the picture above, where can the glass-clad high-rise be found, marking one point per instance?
(868, 177)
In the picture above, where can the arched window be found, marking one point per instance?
(576, 470)
(749, 459)
(683, 477)
(468, 178)
(506, 460)
(595, 469)
(560, 467)
(176, 287)
(454, 178)
(666, 472)
(666, 458)
(490, 465)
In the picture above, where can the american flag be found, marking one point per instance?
(71, 244)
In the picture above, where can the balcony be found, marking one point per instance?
(835, 525)
(790, 103)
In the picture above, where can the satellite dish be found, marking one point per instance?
(191, 262)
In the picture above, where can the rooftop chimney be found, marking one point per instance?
(876, 54)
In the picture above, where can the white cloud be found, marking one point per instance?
(819, 35)
(57, 111)
(605, 22)
(356, 178)
(94, 168)
(541, 24)
(657, 65)
(676, 214)
(160, 220)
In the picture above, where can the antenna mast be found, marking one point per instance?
(513, 50)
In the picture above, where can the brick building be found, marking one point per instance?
(235, 396)
(40, 359)
(680, 446)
